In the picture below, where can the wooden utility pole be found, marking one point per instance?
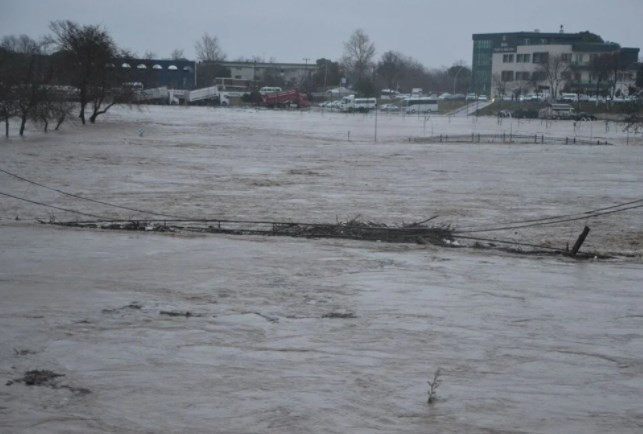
(579, 242)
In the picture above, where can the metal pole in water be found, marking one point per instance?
(376, 122)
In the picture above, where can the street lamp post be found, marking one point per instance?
(456, 77)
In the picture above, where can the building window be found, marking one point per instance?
(522, 75)
(507, 58)
(579, 58)
(566, 57)
(527, 41)
(507, 75)
(540, 57)
(482, 44)
(523, 58)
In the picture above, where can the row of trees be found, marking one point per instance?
(358, 66)
(44, 81)
(396, 70)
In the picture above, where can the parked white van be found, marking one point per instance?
(351, 104)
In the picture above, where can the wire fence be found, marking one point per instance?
(508, 138)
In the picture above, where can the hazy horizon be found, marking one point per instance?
(436, 33)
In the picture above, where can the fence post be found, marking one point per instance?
(535, 138)
(542, 138)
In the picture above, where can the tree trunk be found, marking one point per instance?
(23, 122)
(46, 125)
(6, 126)
(83, 103)
(82, 113)
(60, 122)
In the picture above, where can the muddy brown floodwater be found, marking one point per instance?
(236, 334)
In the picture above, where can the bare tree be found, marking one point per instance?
(88, 53)
(499, 84)
(602, 66)
(208, 49)
(23, 79)
(461, 76)
(520, 88)
(149, 55)
(109, 87)
(177, 54)
(634, 123)
(55, 106)
(554, 70)
(7, 87)
(358, 54)
(19, 44)
(390, 68)
(29, 78)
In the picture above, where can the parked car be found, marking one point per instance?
(568, 97)
(504, 114)
(471, 97)
(390, 108)
(532, 97)
(457, 97)
(584, 116)
(445, 95)
(483, 98)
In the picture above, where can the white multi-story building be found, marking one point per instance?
(525, 62)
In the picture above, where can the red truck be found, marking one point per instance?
(285, 99)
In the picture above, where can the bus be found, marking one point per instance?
(420, 105)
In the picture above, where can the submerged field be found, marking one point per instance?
(214, 333)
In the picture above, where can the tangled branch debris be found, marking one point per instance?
(354, 229)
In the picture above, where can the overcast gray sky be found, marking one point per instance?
(436, 32)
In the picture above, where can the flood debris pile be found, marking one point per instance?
(47, 378)
(355, 229)
(38, 377)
